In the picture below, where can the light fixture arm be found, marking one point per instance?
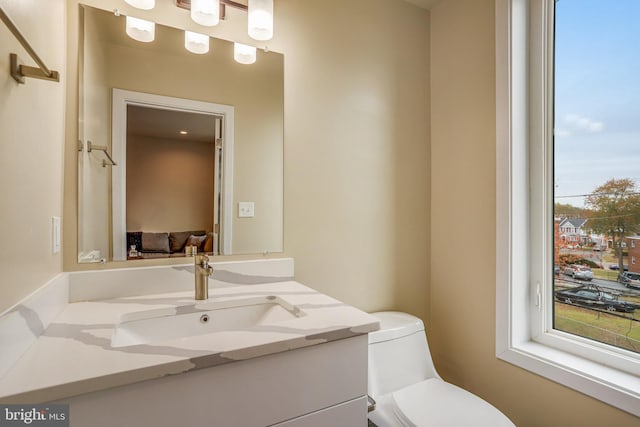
(186, 4)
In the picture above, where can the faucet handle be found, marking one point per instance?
(202, 261)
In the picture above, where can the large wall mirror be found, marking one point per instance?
(177, 150)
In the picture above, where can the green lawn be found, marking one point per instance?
(604, 273)
(603, 327)
(610, 258)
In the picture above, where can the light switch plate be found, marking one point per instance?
(246, 209)
(55, 234)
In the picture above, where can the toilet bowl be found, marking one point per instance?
(407, 388)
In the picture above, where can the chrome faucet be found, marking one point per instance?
(202, 273)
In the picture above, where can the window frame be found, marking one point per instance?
(524, 220)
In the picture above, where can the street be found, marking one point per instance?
(609, 284)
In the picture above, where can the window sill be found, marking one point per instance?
(612, 386)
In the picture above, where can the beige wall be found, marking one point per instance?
(169, 184)
(357, 149)
(31, 144)
(463, 205)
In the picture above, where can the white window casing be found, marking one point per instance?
(524, 220)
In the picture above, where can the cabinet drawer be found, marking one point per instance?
(256, 392)
(347, 414)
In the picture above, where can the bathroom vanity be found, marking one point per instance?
(261, 351)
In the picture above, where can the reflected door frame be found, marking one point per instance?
(123, 98)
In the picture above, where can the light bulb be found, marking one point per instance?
(142, 4)
(244, 54)
(141, 30)
(205, 12)
(260, 19)
(196, 42)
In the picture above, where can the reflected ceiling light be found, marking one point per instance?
(196, 42)
(244, 54)
(142, 4)
(205, 12)
(261, 19)
(183, 132)
(141, 30)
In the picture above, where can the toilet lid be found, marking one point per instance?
(435, 403)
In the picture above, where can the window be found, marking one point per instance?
(596, 125)
(527, 332)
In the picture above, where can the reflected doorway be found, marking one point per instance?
(175, 174)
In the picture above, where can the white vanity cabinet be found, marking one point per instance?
(324, 384)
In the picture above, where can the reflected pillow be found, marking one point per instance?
(207, 246)
(196, 241)
(155, 242)
(177, 239)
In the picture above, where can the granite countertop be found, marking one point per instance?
(74, 355)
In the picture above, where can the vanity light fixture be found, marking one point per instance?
(260, 19)
(196, 43)
(260, 14)
(205, 12)
(209, 13)
(142, 4)
(244, 54)
(141, 30)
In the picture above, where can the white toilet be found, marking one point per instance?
(407, 388)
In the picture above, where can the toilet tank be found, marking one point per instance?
(398, 353)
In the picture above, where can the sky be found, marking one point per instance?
(597, 95)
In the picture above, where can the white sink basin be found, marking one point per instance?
(152, 326)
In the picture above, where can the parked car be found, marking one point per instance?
(630, 280)
(617, 267)
(593, 297)
(556, 270)
(579, 272)
(597, 248)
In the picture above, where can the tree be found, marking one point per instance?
(615, 211)
(569, 211)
